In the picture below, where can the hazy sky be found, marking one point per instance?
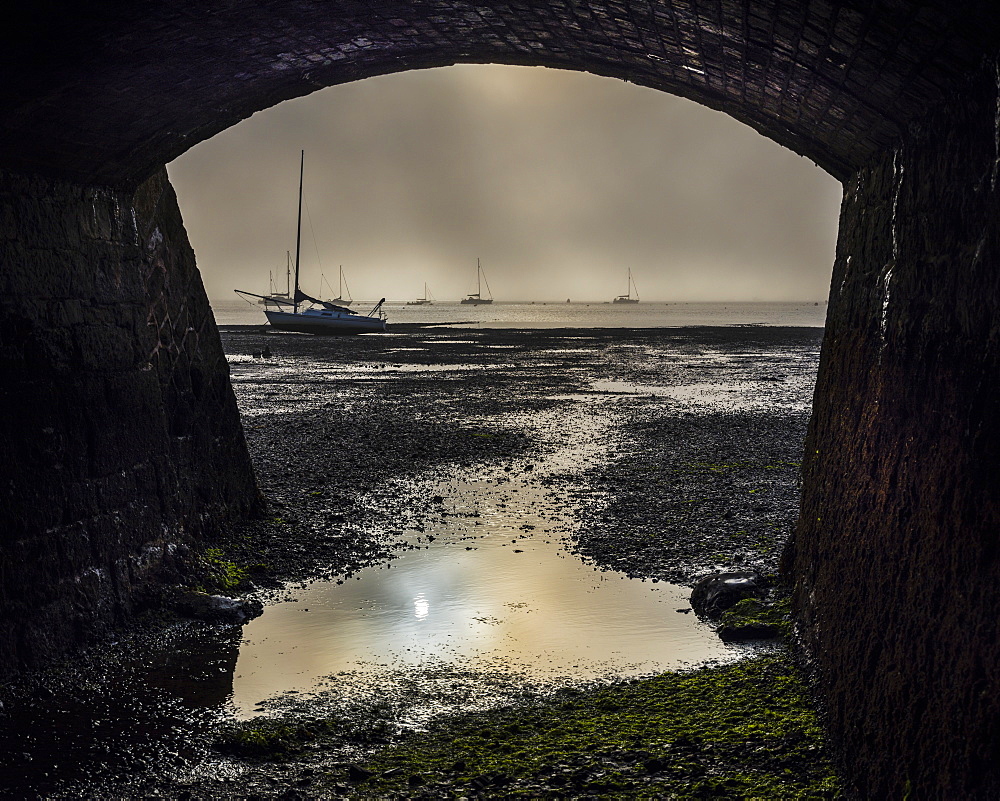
(557, 181)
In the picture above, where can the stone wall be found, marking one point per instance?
(896, 557)
(119, 434)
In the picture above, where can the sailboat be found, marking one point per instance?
(287, 294)
(477, 299)
(339, 300)
(426, 300)
(317, 316)
(627, 297)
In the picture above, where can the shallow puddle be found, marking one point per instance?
(491, 587)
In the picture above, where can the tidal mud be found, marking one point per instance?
(659, 454)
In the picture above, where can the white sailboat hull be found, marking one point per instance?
(331, 323)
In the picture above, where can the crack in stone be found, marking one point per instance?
(897, 171)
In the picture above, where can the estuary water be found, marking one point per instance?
(566, 315)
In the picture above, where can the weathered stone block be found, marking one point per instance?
(92, 483)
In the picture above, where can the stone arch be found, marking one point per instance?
(120, 437)
(834, 81)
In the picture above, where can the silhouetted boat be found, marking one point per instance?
(627, 297)
(477, 299)
(287, 294)
(322, 316)
(339, 300)
(426, 300)
(326, 318)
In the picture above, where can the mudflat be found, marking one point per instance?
(661, 454)
(697, 432)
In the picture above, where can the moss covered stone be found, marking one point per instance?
(755, 619)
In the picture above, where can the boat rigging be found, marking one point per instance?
(477, 299)
(627, 297)
(426, 300)
(320, 316)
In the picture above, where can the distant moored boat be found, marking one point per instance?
(426, 300)
(627, 297)
(340, 300)
(477, 298)
(287, 294)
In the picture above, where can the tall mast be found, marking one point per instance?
(483, 272)
(288, 273)
(479, 288)
(298, 235)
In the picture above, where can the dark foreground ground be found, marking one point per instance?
(701, 431)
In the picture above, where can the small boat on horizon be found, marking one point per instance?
(287, 294)
(627, 297)
(426, 300)
(321, 316)
(477, 299)
(339, 300)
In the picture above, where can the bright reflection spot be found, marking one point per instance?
(421, 607)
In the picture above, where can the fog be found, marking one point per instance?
(557, 181)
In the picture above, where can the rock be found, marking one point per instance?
(218, 608)
(358, 774)
(749, 631)
(714, 594)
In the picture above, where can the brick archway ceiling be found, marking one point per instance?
(105, 94)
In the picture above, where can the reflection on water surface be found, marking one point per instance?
(489, 587)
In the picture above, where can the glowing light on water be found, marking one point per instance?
(421, 607)
(489, 586)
